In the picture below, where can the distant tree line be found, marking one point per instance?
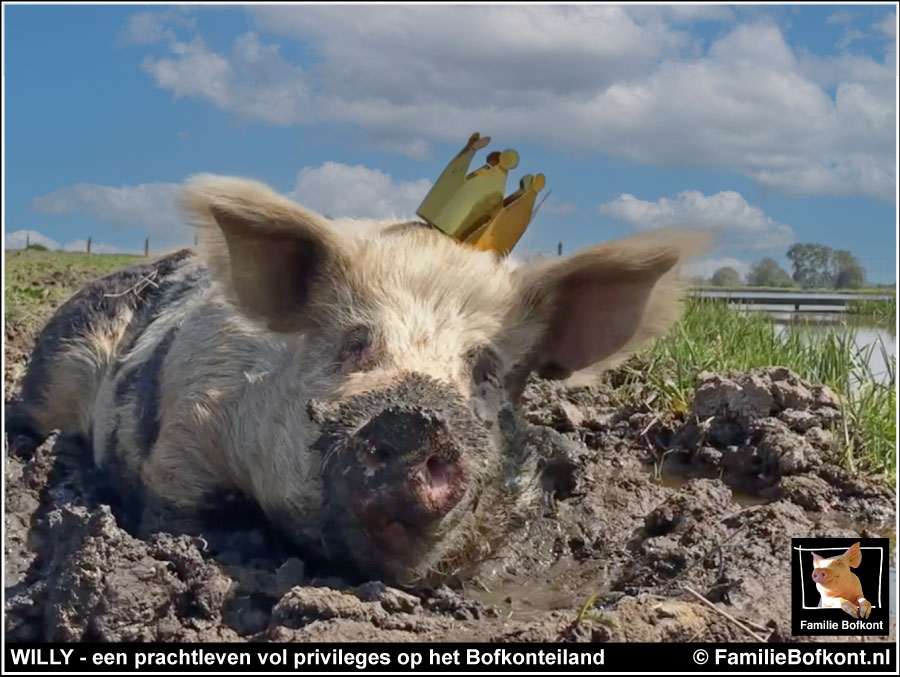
(814, 266)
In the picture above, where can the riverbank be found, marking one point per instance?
(886, 289)
(882, 312)
(712, 336)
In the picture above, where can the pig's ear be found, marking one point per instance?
(853, 555)
(817, 559)
(598, 304)
(270, 255)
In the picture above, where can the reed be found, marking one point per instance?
(712, 336)
(880, 311)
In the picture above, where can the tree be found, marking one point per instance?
(816, 265)
(726, 277)
(813, 265)
(767, 273)
(850, 273)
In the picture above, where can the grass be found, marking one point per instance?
(815, 290)
(37, 281)
(711, 336)
(588, 614)
(880, 311)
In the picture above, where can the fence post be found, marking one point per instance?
(27, 240)
(89, 246)
(559, 249)
(147, 247)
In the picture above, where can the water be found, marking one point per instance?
(803, 296)
(879, 342)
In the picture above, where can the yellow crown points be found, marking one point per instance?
(481, 196)
(450, 180)
(470, 206)
(501, 233)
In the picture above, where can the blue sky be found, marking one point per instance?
(771, 124)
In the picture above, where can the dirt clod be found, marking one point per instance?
(640, 509)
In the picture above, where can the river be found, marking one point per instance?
(880, 341)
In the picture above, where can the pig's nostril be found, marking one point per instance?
(383, 453)
(443, 485)
(438, 474)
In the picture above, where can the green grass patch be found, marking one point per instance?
(879, 311)
(712, 336)
(37, 281)
(589, 614)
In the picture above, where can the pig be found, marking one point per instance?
(358, 381)
(838, 586)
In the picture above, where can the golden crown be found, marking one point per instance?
(470, 207)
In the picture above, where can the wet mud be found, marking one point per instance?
(654, 527)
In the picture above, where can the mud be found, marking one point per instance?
(644, 512)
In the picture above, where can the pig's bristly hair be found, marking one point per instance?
(265, 250)
(417, 285)
(649, 264)
(427, 301)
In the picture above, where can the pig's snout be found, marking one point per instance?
(820, 576)
(413, 471)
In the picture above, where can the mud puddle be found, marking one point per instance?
(754, 470)
(528, 601)
(671, 479)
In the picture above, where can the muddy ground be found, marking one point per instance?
(648, 510)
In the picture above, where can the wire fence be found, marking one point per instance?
(88, 246)
(879, 269)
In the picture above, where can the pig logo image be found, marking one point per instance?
(359, 381)
(838, 585)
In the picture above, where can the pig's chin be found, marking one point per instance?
(397, 552)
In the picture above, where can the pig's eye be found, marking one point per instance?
(356, 352)
(485, 366)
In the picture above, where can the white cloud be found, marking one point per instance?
(683, 12)
(19, 239)
(841, 17)
(598, 78)
(706, 267)
(151, 206)
(339, 190)
(850, 36)
(147, 28)
(888, 25)
(255, 82)
(334, 189)
(738, 224)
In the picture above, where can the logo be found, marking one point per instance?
(839, 586)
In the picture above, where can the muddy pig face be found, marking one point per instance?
(416, 349)
(834, 573)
